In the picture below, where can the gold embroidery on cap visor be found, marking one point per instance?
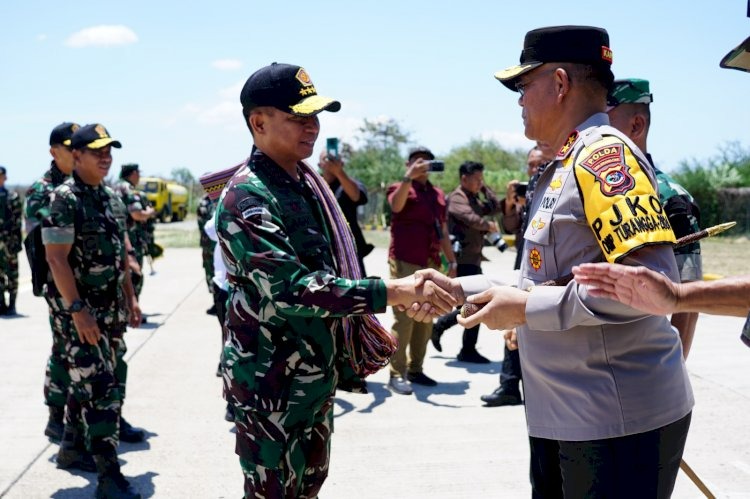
(315, 104)
(516, 71)
(99, 143)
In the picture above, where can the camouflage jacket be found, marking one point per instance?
(205, 211)
(90, 218)
(684, 217)
(281, 351)
(38, 196)
(10, 220)
(134, 200)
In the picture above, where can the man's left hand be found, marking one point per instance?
(504, 308)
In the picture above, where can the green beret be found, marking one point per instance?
(630, 91)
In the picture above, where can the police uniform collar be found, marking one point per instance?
(597, 119)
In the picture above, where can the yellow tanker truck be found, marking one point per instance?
(168, 198)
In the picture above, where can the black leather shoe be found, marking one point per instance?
(502, 396)
(472, 356)
(130, 434)
(400, 385)
(421, 379)
(75, 458)
(212, 310)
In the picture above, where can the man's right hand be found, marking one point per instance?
(418, 169)
(88, 329)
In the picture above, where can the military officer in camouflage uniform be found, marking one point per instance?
(56, 378)
(629, 111)
(86, 252)
(10, 244)
(139, 212)
(287, 301)
(205, 211)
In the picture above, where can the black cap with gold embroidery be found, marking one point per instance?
(62, 134)
(285, 87)
(94, 137)
(576, 44)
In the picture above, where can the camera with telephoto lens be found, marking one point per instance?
(496, 239)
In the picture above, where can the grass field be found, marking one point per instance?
(724, 256)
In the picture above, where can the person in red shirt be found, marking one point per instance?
(419, 233)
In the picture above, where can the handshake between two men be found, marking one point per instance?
(500, 307)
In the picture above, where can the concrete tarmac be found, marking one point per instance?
(438, 443)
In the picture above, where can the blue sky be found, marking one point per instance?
(165, 77)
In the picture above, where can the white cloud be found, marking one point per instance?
(102, 36)
(509, 140)
(227, 64)
(41, 37)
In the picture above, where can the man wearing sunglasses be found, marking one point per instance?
(608, 399)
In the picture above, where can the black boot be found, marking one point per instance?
(55, 427)
(503, 395)
(3, 305)
(11, 304)
(130, 434)
(111, 484)
(72, 452)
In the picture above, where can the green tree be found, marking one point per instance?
(500, 164)
(377, 163)
(703, 179)
(183, 176)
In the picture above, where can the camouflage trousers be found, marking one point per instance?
(137, 279)
(8, 270)
(93, 400)
(56, 377)
(284, 454)
(207, 256)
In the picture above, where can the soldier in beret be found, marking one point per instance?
(629, 110)
(291, 298)
(608, 399)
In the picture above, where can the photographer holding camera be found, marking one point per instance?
(469, 205)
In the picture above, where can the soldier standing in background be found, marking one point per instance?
(204, 212)
(86, 252)
(629, 111)
(56, 378)
(139, 212)
(10, 244)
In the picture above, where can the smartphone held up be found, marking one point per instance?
(332, 148)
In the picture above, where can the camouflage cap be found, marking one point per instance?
(630, 91)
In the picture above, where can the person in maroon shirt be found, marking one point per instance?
(419, 233)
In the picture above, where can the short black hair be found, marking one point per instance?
(469, 168)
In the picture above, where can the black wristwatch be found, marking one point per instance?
(76, 306)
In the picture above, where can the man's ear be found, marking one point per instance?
(562, 83)
(638, 127)
(257, 121)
